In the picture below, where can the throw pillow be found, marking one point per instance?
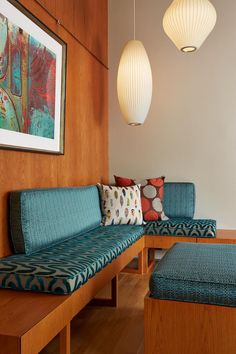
(121, 205)
(152, 191)
(124, 182)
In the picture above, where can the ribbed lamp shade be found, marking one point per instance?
(134, 83)
(189, 22)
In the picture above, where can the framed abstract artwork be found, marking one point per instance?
(32, 82)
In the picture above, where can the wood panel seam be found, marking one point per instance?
(60, 23)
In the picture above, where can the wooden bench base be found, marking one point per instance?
(29, 321)
(173, 327)
(146, 262)
(113, 301)
(65, 340)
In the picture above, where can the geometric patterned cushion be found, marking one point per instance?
(66, 266)
(200, 273)
(182, 227)
(152, 190)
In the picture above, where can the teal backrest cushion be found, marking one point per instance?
(43, 217)
(179, 200)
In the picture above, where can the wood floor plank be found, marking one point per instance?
(104, 330)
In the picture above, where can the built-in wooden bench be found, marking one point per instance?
(29, 321)
(63, 258)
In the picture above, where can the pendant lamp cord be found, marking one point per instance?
(134, 19)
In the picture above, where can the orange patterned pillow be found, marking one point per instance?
(152, 191)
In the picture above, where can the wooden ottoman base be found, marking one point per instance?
(173, 327)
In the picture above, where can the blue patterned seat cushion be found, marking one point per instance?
(182, 227)
(66, 266)
(201, 273)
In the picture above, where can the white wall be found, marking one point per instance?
(190, 132)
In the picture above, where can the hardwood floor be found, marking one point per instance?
(103, 330)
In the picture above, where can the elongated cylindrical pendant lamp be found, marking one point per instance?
(189, 22)
(134, 82)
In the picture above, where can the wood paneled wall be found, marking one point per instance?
(84, 28)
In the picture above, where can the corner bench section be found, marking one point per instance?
(51, 314)
(179, 207)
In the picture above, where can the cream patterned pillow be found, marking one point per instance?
(121, 205)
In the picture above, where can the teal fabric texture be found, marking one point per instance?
(182, 227)
(59, 241)
(42, 217)
(179, 200)
(199, 273)
(63, 268)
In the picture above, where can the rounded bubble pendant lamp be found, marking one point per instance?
(134, 82)
(189, 22)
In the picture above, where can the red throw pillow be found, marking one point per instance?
(124, 182)
(152, 191)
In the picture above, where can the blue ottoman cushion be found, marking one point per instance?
(182, 227)
(201, 273)
(66, 266)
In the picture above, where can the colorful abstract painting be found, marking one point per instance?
(31, 82)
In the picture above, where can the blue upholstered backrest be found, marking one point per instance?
(179, 200)
(43, 217)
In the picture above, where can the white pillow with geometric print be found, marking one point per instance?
(121, 205)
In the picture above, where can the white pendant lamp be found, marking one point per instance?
(134, 82)
(189, 22)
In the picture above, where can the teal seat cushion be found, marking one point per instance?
(179, 200)
(201, 273)
(182, 227)
(42, 217)
(66, 266)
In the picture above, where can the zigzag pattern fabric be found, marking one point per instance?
(182, 227)
(200, 273)
(63, 268)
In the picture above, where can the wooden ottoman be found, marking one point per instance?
(191, 307)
